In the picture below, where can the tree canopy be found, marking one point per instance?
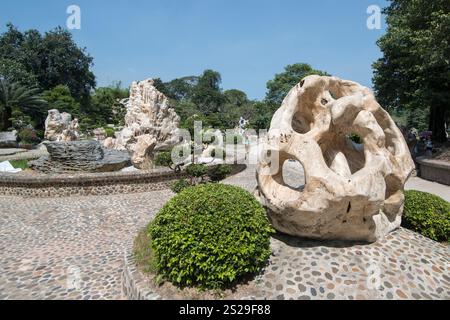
(279, 87)
(413, 76)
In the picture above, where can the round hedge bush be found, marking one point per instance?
(209, 236)
(427, 214)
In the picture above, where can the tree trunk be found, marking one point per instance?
(437, 123)
(6, 122)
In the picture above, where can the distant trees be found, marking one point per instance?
(413, 77)
(279, 87)
(50, 59)
(18, 100)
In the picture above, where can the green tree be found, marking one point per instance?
(414, 73)
(105, 104)
(14, 96)
(60, 98)
(53, 59)
(207, 94)
(279, 87)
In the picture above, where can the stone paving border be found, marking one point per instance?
(133, 284)
(64, 185)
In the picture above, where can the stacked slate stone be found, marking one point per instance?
(80, 156)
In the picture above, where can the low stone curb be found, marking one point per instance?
(64, 185)
(134, 287)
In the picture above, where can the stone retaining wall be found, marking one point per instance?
(434, 170)
(133, 285)
(64, 185)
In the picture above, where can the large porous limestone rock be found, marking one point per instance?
(80, 156)
(148, 114)
(353, 191)
(61, 127)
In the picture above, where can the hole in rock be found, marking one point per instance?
(293, 174)
(302, 121)
(343, 155)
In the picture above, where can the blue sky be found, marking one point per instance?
(247, 41)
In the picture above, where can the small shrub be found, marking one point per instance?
(427, 214)
(210, 236)
(196, 170)
(110, 132)
(180, 185)
(219, 172)
(164, 159)
(28, 136)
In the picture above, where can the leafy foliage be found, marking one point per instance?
(427, 214)
(414, 74)
(219, 172)
(180, 185)
(28, 136)
(14, 96)
(163, 159)
(196, 170)
(283, 82)
(52, 59)
(210, 236)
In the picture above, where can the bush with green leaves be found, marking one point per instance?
(210, 236)
(110, 132)
(163, 159)
(28, 136)
(180, 185)
(196, 170)
(219, 172)
(427, 214)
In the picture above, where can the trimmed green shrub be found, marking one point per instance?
(210, 236)
(427, 214)
(219, 172)
(180, 185)
(164, 159)
(196, 170)
(110, 132)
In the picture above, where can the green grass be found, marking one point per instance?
(143, 253)
(19, 164)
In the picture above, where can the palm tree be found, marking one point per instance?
(15, 95)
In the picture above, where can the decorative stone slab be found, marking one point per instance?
(80, 156)
(11, 151)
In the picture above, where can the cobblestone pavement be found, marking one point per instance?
(72, 248)
(404, 265)
(69, 248)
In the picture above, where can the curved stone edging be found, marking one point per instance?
(132, 283)
(63, 185)
(434, 170)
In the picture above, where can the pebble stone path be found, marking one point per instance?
(72, 248)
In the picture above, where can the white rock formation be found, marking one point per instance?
(352, 192)
(61, 127)
(148, 115)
